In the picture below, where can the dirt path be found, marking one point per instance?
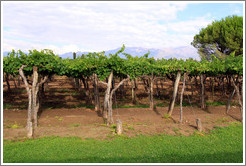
(65, 112)
(86, 123)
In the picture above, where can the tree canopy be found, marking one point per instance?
(220, 38)
(84, 66)
(45, 60)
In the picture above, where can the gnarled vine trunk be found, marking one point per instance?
(175, 90)
(151, 96)
(181, 98)
(35, 89)
(29, 112)
(7, 81)
(133, 91)
(240, 98)
(228, 105)
(87, 89)
(33, 98)
(96, 93)
(110, 101)
(106, 98)
(149, 86)
(203, 102)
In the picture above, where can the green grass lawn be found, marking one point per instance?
(222, 145)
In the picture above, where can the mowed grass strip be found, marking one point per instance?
(222, 145)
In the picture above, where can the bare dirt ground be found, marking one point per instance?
(86, 123)
(59, 117)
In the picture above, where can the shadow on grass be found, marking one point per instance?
(223, 157)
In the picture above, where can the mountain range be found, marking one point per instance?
(184, 52)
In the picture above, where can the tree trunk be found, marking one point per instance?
(110, 110)
(149, 86)
(42, 89)
(223, 87)
(192, 87)
(133, 92)
(161, 83)
(121, 90)
(239, 97)
(33, 98)
(203, 105)
(146, 84)
(7, 81)
(106, 98)
(157, 90)
(228, 105)
(175, 89)
(29, 112)
(34, 95)
(136, 84)
(79, 84)
(181, 98)
(96, 93)
(19, 80)
(113, 85)
(242, 91)
(122, 87)
(87, 90)
(213, 88)
(76, 83)
(14, 81)
(110, 119)
(218, 82)
(151, 98)
(228, 82)
(177, 95)
(196, 82)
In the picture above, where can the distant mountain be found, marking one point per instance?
(67, 55)
(185, 52)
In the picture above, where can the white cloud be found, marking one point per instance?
(190, 26)
(237, 11)
(95, 26)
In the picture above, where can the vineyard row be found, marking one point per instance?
(37, 67)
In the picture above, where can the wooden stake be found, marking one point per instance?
(119, 127)
(199, 124)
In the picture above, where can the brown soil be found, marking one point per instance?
(58, 116)
(86, 123)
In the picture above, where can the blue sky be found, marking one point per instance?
(98, 26)
(214, 10)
